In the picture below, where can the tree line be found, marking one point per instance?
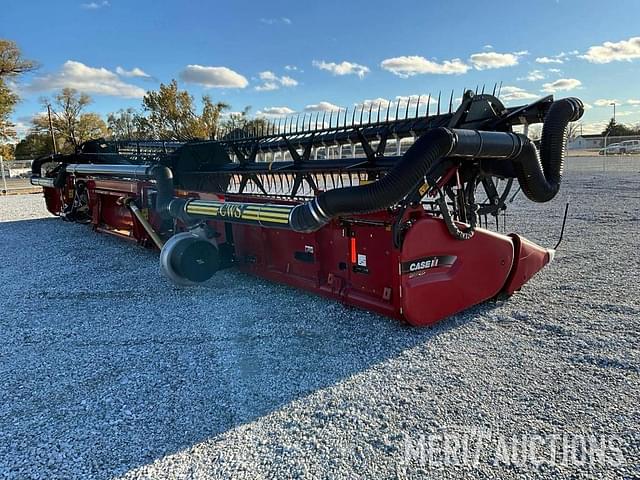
(165, 114)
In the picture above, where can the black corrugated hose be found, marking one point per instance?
(538, 174)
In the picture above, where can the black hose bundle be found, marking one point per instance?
(540, 173)
(381, 194)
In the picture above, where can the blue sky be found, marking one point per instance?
(285, 56)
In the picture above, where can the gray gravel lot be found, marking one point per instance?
(107, 370)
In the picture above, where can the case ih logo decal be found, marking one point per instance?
(426, 263)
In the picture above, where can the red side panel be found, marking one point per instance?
(442, 276)
(52, 200)
(530, 259)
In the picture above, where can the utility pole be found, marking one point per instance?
(614, 111)
(53, 136)
(4, 180)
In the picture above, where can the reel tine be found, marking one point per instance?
(388, 108)
(439, 94)
(317, 116)
(369, 114)
(397, 108)
(353, 117)
(428, 105)
(378, 116)
(482, 93)
(499, 89)
(344, 121)
(451, 102)
(324, 115)
(330, 118)
(406, 112)
(417, 107)
(279, 177)
(297, 119)
(279, 121)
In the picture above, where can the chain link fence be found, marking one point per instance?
(588, 145)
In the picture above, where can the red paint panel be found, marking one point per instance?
(530, 259)
(480, 270)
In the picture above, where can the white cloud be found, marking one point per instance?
(614, 51)
(274, 112)
(273, 82)
(510, 93)
(559, 58)
(373, 103)
(288, 81)
(487, 60)
(291, 68)
(403, 99)
(633, 102)
(605, 102)
(546, 60)
(322, 107)
(561, 84)
(275, 21)
(213, 77)
(407, 66)
(134, 72)
(555, 70)
(342, 68)
(95, 5)
(86, 79)
(593, 128)
(534, 76)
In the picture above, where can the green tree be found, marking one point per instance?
(7, 151)
(614, 129)
(240, 123)
(34, 144)
(172, 114)
(11, 65)
(128, 125)
(71, 125)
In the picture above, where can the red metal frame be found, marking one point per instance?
(431, 276)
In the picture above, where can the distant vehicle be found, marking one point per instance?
(631, 146)
(620, 148)
(613, 149)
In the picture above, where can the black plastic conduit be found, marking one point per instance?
(539, 175)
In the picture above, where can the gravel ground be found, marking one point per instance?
(108, 371)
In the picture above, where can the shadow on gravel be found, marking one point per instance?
(106, 366)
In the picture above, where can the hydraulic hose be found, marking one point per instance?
(540, 173)
(404, 176)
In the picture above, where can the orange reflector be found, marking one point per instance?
(353, 250)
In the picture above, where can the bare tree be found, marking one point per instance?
(71, 124)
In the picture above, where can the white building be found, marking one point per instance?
(585, 142)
